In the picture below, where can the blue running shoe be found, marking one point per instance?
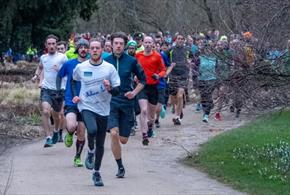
(205, 118)
(97, 179)
(48, 143)
(89, 162)
(198, 107)
(154, 134)
(55, 137)
(163, 112)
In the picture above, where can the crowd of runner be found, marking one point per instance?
(105, 83)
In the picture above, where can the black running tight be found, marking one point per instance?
(96, 129)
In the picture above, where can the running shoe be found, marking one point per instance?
(176, 121)
(154, 134)
(78, 162)
(121, 172)
(145, 141)
(89, 162)
(48, 143)
(163, 112)
(97, 179)
(68, 139)
(198, 107)
(205, 118)
(54, 137)
(218, 116)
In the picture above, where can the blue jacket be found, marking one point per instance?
(67, 70)
(207, 68)
(162, 81)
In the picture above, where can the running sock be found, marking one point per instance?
(79, 147)
(48, 137)
(55, 130)
(119, 162)
(150, 125)
(91, 151)
(96, 171)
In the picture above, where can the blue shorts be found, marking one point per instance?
(121, 116)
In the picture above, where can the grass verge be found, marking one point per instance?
(254, 158)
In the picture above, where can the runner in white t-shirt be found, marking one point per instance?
(99, 81)
(51, 98)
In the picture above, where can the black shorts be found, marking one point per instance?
(73, 109)
(161, 96)
(53, 98)
(121, 116)
(150, 93)
(175, 83)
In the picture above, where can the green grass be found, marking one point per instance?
(262, 163)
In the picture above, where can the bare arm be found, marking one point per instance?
(169, 69)
(37, 73)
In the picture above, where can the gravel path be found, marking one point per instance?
(31, 169)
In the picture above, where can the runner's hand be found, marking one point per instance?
(136, 80)
(34, 78)
(76, 99)
(59, 94)
(130, 95)
(107, 85)
(155, 76)
(173, 64)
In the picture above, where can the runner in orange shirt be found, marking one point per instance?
(154, 68)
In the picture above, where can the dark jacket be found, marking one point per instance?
(127, 67)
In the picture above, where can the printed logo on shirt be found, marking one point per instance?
(88, 74)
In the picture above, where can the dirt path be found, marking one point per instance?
(34, 170)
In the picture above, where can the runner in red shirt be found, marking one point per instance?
(154, 68)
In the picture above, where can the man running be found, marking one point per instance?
(74, 120)
(51, 98)
(154, 68)
(179, 73)
(121, 119)
(99, 80)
